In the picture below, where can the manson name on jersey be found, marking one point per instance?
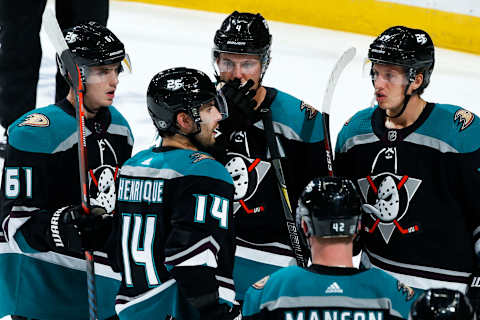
(334, 315)
(140, 190)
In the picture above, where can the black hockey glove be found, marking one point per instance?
(72, 230)
(240, 105)
(220, 312)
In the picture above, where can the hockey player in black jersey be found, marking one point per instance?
(175, 232)
(43, 269)
(328, 213)
(241, 55)
(416, 164)
(442, 304)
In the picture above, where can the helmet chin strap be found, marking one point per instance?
(405, 103)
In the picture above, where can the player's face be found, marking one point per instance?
(210, 116)
(101, 84)
(389, 82)
(241, 66)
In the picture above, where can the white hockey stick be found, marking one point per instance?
(342, 62)
(55, 35)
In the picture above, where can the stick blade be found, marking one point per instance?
(55, 35)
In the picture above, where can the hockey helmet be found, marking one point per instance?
(330, 207)
(442, 304)
(180, 90)
(410, 48)
(92, 44)
(244, 33)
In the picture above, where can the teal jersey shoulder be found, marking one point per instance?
(50, 129)
(358, 125)
(294, 287)
(42, 130)
(295, 119)
(176, 163)
(120, 125)
(454, 125)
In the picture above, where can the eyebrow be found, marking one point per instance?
(242, 59)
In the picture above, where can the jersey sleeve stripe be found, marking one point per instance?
(204, 252)
(357, 140)
(122, 302)
(122, 131)
(418, 276)
(226, 289)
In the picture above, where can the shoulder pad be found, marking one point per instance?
(455, 127)
(176, 163)
(358, 124)
(296, 120)
(203, 164)
(120, 125)
(43, 130)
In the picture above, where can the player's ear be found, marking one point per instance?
(184, 122)
(417, 83)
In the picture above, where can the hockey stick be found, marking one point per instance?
(287, 208)
(342, 62)
(56, 37)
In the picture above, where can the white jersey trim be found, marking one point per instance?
(144, 172)
(205, 257)
(144, 296)
(418, 282)
(264, 257)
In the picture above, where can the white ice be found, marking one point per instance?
(158, 37)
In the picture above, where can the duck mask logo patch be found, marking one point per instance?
(387, 195)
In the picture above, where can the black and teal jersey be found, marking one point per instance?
(174, 234)
(41, 175)
(263, 243)
(421, 184)
(322, 293)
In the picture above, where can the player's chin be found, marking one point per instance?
(384, 105)
(107, 102)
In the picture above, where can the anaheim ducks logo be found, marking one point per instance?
(261, 283)
(247, 175)
(35, 120)
(387, 196)
(198, 156)
(463, 117)
(310, 111)
(406, 290)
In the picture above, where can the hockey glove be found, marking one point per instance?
(220, 312)
(240, 105)
(72, 230)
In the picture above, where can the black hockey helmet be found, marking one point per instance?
(180, 90)
(330, 206)
(410, 48)
(244, 33)
(442, 304)
(92, 44)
